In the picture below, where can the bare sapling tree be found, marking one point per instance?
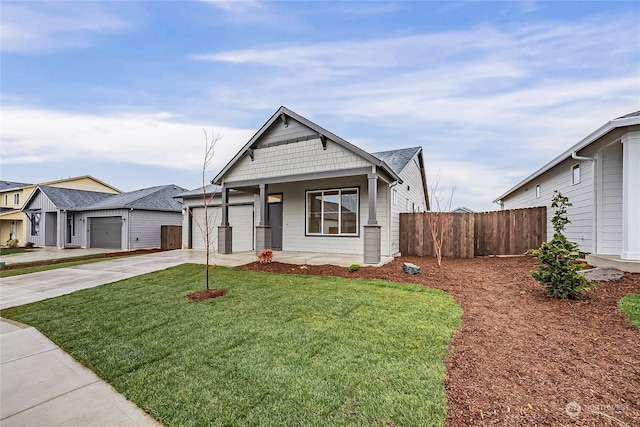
(206, 224)
(438, 218)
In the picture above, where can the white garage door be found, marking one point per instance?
(240, 218)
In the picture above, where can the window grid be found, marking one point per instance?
(322, 227)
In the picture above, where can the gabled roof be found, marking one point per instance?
(10, 185)
(209, 189)
(398, 159)
(76, 178)
(630, 119)
(154, 198)
(320, 130)
(65, 198)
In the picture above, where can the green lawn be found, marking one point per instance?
(276, 350)
(630, 305)
(11, 251)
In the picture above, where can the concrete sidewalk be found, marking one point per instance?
(44, 386)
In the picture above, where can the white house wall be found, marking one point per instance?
(410, 193)
(294, 158)
(580, 230)
(610, 200)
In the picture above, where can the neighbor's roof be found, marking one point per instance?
(10, 185)
(76, 178)
(209, 189)
(630, 119)
(398, 159)
(320, 130)
(65, 198)
(154, 198)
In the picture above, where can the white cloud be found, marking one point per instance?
(37, 136)
(36, 27)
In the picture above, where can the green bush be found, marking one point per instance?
(12, 243)
(558, 273)
(354, 267)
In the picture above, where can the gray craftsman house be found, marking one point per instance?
(64, 217)
(297, 187)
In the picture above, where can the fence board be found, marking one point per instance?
(508, 232)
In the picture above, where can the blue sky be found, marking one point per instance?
(491, 90)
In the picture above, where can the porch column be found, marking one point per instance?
(630, 196)
(372, 233)
(61, 226)
(225, 245)
(263, 229)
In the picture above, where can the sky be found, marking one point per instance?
(125, 91)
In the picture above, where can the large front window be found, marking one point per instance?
(333, 212)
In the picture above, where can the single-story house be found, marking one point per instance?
(601, 176)
(14, 194)
(65, 217)
(315, 192)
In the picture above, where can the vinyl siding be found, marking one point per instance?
(279, 132)
(144, 227)
(580, 230)
(294, 158)
(294, 237)
(85, 218)
(412, 178)
(610, 201)
(42, 203)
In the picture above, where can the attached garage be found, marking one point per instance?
(240, 218)
(105, 232)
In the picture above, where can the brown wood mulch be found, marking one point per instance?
(520, 358)
(205, 294)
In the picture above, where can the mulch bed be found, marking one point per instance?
(520, 358)
(205, 294)
(20, 265)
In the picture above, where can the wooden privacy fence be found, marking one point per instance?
(170, 237)
(508, 232)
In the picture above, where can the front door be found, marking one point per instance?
(274, 212)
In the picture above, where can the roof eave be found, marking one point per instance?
(592, 137)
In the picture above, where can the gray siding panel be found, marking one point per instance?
(279, 132)
(610, 232)
(144, 227)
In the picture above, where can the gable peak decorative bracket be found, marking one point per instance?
(283, 117)
(250, 151)
(323, 139)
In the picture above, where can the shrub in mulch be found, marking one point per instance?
(205, 295)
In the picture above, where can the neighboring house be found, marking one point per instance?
(241, 217)
(14, 194)
(315, 192)
(65, 217)
(601, 176)
(462, 209)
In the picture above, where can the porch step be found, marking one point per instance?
(613, 261)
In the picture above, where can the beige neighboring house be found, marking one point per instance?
(13, 195)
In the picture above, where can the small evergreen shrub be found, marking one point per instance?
(12, 243)
(265, 256)
(354, 267)
(558, 272)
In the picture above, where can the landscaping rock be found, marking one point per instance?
(603, 274)
(409, 268)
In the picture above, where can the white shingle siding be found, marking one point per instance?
(610, 201)
(580, 230)
(294, 158)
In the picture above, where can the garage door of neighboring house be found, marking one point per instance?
(106, 232)
(240, 218)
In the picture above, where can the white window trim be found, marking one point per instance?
(306, 213)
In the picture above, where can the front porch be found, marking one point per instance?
(629, 266)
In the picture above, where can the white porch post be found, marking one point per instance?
(631, 196)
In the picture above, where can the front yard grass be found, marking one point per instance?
(276, 350)
(630, 305)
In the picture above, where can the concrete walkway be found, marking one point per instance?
(43, 385)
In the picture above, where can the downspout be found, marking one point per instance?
(594, 239)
